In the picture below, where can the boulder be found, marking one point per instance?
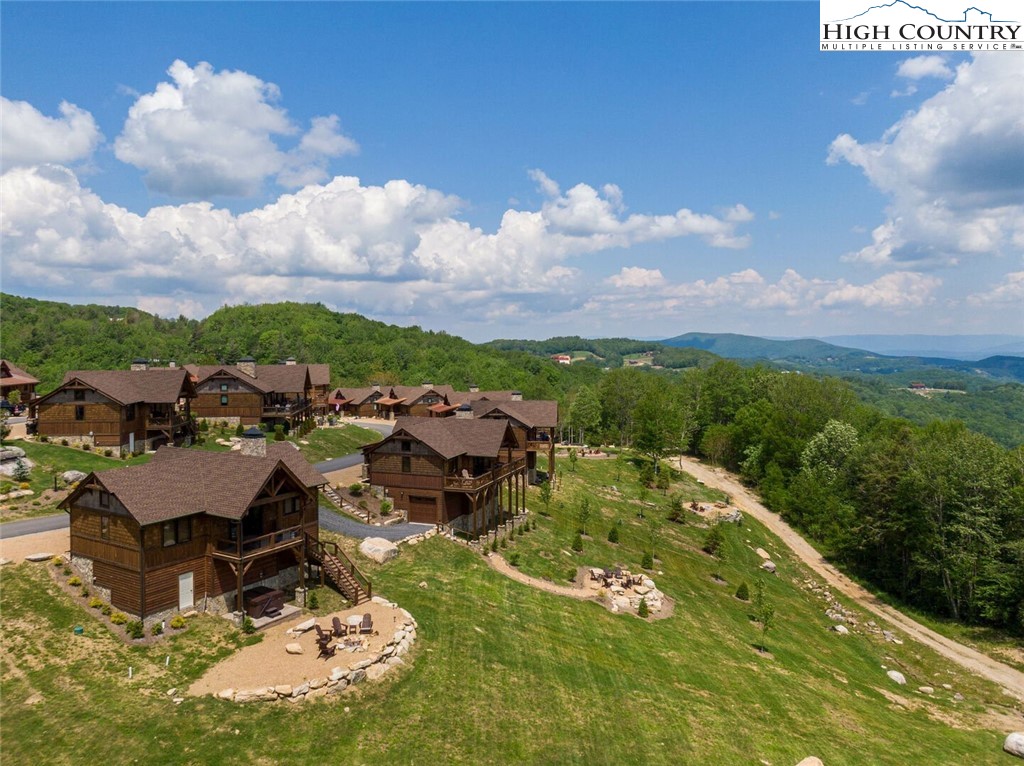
(958, 697)
(376, 670)
(357, 676)
(293, 648)
(378, 549)
(769, 566)
(842, 630)
(284, 690)
(302, 627)
(392, 661)
(226, 694)
(926, 690)
(338, 674)
(1014, 744)
(39, 557)
(17, 453)
(71, 477)
(362, 664)
(811, 760)
(762, 553)
(898, 677)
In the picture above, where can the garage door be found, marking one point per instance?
(423, 509)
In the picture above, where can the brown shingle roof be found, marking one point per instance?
(181, 482)
(542, 413)
(270, 378)
(14, 376)
(320, 374)
(355, 395)
(163, 386)
(450, 437)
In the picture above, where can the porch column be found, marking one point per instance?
(509, 507)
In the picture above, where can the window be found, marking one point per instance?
(129, 412)
(177, 531)
(223, 400)
(292, 505)
(223, 386)
(406, 446)
(79, 395)
(104, 499)
(406, 464)
(105, 526)
(79, 412)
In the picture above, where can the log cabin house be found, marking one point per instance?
(450, 471)
(534, 426)
(193, 529)
(16, 379)
(250, 393)
(128, 410)
(390, 402)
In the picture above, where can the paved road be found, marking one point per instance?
(337, 463)
(333, 521)
(33, 526)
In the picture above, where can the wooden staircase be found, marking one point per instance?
(330, 494)
(339, 570)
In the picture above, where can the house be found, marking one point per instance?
(534, 426)
(194, 529)
(15, 379)
(248, 393)
(355, 402)
(452, 471)
(123, 409)
(390, 402)
(561, 358)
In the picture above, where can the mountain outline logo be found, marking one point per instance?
(910, 6)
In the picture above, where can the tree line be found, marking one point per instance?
(933, 514)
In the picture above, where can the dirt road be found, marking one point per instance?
(1009, 678)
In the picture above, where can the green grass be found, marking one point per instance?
(504, 673)
(326, 443)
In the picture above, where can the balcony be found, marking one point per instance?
(285, 409)
(248, 548)
(496, 474)
(161, 421)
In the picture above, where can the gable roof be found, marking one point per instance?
(451, 437)
(163, 386)
(542, 413)
(356, 395)
(412, 394)
(270, 378)
(182, 482)
(319, 374)
(14, 376)
(473, 396)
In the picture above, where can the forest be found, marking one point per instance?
(926, 509)
(931, 514)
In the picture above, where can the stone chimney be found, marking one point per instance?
(140, 364)
(375, 386)
(427, 384)
(172, 365)
(290, 361)
(474, 388)
(247, 365)
(254, 443)
(464, 411)
(517, 396)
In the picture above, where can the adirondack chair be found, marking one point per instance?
(340, 628)
(327, 649)
(366, 626)
(321, 634)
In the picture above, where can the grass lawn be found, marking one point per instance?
(52, 460)
(322, 443)
(504, 673)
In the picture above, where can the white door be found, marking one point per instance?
(185, 591)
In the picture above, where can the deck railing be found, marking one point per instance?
(251, 547)
(499, 472)
(286, 408)
(319, 548)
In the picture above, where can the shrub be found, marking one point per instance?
(642, 610)
(63, 442)
(44, 439)
(248, 626)
(157, 629)
(713, 541)
(504, 542)
(362, 505)
(67, 570)
(119, 618)
(21, 471)
(279, 433)
(513, 558)
(135, 629)
(177, 622)
(95, 602)
(223, 424)
(648, 560)
(204, 425)
(86, 447)
(385, 507)
(57, 561)
(494, 544)
(24, 485)
(577, 543)
(312, 600)
(75, 581)
(108, 452)
(85, 592)
(355, 489)
(571, 575)
(743, 592)
(613, 534)
(107, 609)
(239, 429)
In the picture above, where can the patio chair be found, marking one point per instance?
(366, 626)
(340, 628)
(327, 649)
(321, 635)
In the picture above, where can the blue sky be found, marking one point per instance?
(511, 170)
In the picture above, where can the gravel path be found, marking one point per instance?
(499, 564)
(1009, 678)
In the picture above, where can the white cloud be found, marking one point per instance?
(634, 277)
(920, 67)
(1010, 292)
(896, 291)
(953, 170)
(29, 137)
(396, 249)
(210, 133)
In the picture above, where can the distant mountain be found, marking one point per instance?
(967, 347)
(751, 347)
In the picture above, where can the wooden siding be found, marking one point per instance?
(58, 419)
(123, 585)
(241, 404)
(162, 584)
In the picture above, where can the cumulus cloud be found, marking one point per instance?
(396, 249)
(634, 277)
(747, 291)
(208, 133)
(919, 67)
(1009, 292)
(953, 169)
(29, 137)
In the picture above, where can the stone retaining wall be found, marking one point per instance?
(340, 678)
